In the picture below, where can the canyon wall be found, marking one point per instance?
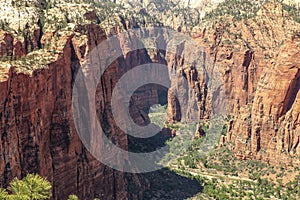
(258, 63)
(268, 128)
(37, 128)
(253, 65)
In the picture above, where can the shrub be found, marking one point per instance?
(31, 187)
(72, 197)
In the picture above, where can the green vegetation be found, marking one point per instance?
(192, 156)
(223, 189)
(157, 115)
(179, 145)
(245, 9)
(238, 9)
(220, 173)
(173, 126)
(72, 197)
(4, 25)
(293, 11)
(237, 190)
(31, 187)
(222, 160)
(224, 129)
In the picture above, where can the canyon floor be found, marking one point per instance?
(218, 174)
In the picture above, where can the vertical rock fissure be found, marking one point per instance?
(39, 44)
(246, 64)
(291, 94)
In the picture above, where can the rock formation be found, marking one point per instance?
(252, 62)
(38, 134)
(36, 121)
(259, 62)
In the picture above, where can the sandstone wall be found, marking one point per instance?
(37, 129)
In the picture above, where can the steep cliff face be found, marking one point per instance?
(189, 98)
(258, 61)
(266, 123)
(36, 109)
(38, 134)
(39, 62)
(270, 124)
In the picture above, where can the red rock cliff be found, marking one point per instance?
(37, 129)
(258, 59)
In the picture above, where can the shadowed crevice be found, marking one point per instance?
(291, 95)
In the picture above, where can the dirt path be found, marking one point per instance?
(195, 172)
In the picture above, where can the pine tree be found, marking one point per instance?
(72, 197)
(32, 187)
(3, 194)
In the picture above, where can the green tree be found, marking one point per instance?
(3, 194)
(32, 187)
(18, 189)
(72, 197)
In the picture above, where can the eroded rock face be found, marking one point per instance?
(259, 70)
(6, 44)
(37, 128)
(274, 124)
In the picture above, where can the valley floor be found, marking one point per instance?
(218, 174)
